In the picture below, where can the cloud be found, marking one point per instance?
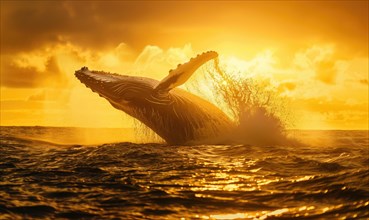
(325, 71)
(14, 74)
(40, 96)
(332, 105)
(26, 26)
(317, 113)
(48, 66)
(55, 66)
(155, 62)
(364, 81)
(286, 86)
(319, 60)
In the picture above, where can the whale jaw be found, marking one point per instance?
(112, 86)
(98, 81)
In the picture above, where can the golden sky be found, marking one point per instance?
(315, 53)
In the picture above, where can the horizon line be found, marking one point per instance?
(288, 129)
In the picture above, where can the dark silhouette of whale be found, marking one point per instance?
(177, 116)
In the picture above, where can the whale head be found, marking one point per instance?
(123, 92)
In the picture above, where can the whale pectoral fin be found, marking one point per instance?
(183, 72)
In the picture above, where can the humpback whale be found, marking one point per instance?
(177, 116)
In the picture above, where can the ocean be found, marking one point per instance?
(51, 173)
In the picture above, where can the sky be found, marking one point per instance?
(315, 53)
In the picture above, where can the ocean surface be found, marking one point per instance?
(44, 177)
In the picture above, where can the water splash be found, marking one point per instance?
(259, 114)
(144, 134)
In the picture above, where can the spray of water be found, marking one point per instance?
(144, 134)
(259, 114)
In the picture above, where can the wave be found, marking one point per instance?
(135, 181)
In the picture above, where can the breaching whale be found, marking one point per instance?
(177, 116)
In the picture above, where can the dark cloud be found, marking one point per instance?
(13, 75)
(364, 81)
(26, 25)
(32, 25)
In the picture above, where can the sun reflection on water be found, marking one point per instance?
(229, 216)
(302, 211)
(250, 215)
(229, 177)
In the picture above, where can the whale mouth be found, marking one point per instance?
(99, 81)
(115, 87)
(92, 77)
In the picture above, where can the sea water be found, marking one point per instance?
(324, 177)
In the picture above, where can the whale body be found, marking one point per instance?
(177, 116)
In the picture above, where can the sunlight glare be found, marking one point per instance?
(229, 216)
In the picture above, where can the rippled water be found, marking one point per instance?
(327, 178)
